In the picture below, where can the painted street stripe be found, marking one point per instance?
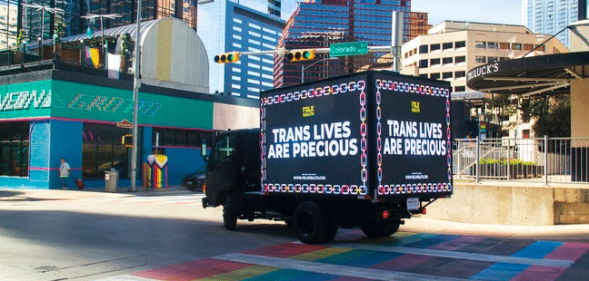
(461, 255)
(571, 251)
(457, 243)
(329, 269)
(538, 250)
(500, 271)
(241, 274)
(544, 273)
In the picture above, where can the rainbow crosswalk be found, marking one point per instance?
(403, 256)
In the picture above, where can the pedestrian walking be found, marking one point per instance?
(64, 173)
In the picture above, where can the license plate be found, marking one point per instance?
(413, 204)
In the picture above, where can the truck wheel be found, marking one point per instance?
(229, 213)
(394, 227)
(331, 225)
(375, 230)
(310, 221)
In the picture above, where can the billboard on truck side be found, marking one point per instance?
(369, 133)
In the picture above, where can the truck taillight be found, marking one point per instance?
(385, 214)
(204, 188)
(423, 211)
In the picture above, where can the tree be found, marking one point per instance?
(552, 113)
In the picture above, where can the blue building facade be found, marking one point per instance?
(550, 16)
(225, 26)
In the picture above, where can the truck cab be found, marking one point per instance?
(233, 166)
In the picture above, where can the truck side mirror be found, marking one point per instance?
(203, 150)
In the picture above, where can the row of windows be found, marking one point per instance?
(445, 75)
(445, 61)
(506, 46)
(424, 49)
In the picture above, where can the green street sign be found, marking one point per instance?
(348, 49)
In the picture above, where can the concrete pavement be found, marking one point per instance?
(418, 224)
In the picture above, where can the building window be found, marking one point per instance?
(492, 59)
(503, 58)
(447, 75)
(14, 149)
(528, 47)
(424, 75)
(460, 44)
(102, 150)
(480, 44)
(459, 89)
(423, 64)
(434, 76)
(448, 60)
(459, 74)
(480, 59)
(423, 49)
(446, 46)
(504, 46)
(434, 47)
(541, 48)
(492, 45)
(516, 46)
(433, 62)
(460, 59)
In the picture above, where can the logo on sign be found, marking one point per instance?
(415, 107)
(308, 111)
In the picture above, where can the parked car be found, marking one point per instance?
(196, 180)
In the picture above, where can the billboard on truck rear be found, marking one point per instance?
(413, 136)
(369, 133)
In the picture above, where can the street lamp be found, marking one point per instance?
(136, 86)
(306, 67)
(43, 9)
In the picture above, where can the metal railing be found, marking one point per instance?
(545, 160)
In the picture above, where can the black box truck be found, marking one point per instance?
(364, 150)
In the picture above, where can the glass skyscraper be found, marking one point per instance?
(225, 26)
(319, 23)
(550, 16)
(29, 19)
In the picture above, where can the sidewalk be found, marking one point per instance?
(60, 194)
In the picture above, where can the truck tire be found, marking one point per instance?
(331, 224)
(394, 227)
(375, 230)
(230, 213)
(310, 221)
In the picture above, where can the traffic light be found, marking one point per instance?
(227, 58)
(300, 55)
(127, 140)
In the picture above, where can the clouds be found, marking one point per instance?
(498, 11)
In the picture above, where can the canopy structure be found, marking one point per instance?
(550, 74)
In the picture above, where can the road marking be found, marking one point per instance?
(340, 270)
(461, 255)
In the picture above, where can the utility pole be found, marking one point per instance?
(136, 86)
(397, 40)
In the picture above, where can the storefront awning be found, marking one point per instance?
(550, 74)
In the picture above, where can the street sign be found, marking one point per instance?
(348, 49)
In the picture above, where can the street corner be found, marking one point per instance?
(403, 256)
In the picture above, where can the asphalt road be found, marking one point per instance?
(87, 236)
(73, 235)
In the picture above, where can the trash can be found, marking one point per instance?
(111, 181)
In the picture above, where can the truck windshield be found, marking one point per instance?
(224, 148)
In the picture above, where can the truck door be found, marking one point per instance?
(221, 168)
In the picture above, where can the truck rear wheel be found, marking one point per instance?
(230, 213)
(310, 221)
(394, 227)
(331, 224)
(375, 230)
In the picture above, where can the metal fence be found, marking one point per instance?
(564, 160)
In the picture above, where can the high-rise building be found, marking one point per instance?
(319, 23)
(451, 49)
(418, 24)
(225, 26)
(550, 16)
(29, 18)
(8, 24)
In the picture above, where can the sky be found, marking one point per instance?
(496, 11)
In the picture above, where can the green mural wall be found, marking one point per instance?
(88, 102)
(25, 100)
